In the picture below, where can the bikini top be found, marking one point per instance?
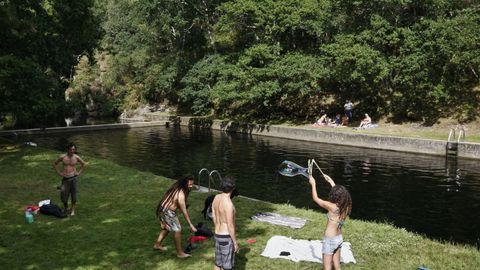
(339, 222)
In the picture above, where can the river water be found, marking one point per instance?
(421, 193)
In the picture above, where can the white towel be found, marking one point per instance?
(277, 219)
(41, 203)
(303, 250)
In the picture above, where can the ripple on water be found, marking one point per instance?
(417, 192)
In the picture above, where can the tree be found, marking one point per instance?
(291, 59)
(41, 44)
(28, 94)
(437, 71)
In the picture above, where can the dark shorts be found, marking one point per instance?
(224, 251)
(69, 186)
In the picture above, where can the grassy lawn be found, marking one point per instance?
(439, 131)
(115, 226)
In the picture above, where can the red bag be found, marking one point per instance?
(194, 239)
(32, 208)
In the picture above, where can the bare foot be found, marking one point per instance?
(159, 247)
(184, 255)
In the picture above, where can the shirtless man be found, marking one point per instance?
(69, 174)
(174, 198)
(223, 212)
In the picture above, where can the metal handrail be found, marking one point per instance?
(200, 173)
(452, 132)
(457, 130)
(461, 133)
(211, 178)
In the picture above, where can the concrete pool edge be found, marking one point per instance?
(391, 143)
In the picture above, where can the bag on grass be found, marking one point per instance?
(52, 210)
(203, 230)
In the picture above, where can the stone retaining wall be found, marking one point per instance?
(402, 144)
(81, 128)
(469, 150)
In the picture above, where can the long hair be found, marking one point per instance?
(341, 197)
(179, 185)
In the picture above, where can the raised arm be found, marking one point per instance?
(322, 203)
(183, 208)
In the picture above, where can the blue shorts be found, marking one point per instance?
(332, 244)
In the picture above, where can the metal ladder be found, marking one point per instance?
(453, 141)
(210, 179)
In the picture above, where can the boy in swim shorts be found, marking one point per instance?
(223, 212)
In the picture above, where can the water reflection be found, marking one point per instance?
(421, 193)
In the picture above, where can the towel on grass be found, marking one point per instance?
(302, 250)
(368, 126)
(273, 218)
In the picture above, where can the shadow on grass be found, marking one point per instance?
(241, 258)
(115, 224)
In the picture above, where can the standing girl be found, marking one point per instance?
(339, 206)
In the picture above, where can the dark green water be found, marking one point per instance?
(418, 192)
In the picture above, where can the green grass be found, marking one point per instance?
(403, 131)
(115, 226)
(435, 134)
(438, 131)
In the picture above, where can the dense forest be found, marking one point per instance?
(255, 60)
(40, 42)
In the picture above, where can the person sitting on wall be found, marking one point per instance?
(345, 120)
(338, 119)
(322, 121)
(336, 122)
(366, 121)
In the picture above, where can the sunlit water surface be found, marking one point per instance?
(421, 193)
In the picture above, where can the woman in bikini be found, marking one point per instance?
(366, 121)
(339, 206)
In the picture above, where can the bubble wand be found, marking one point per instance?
(310, 167)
